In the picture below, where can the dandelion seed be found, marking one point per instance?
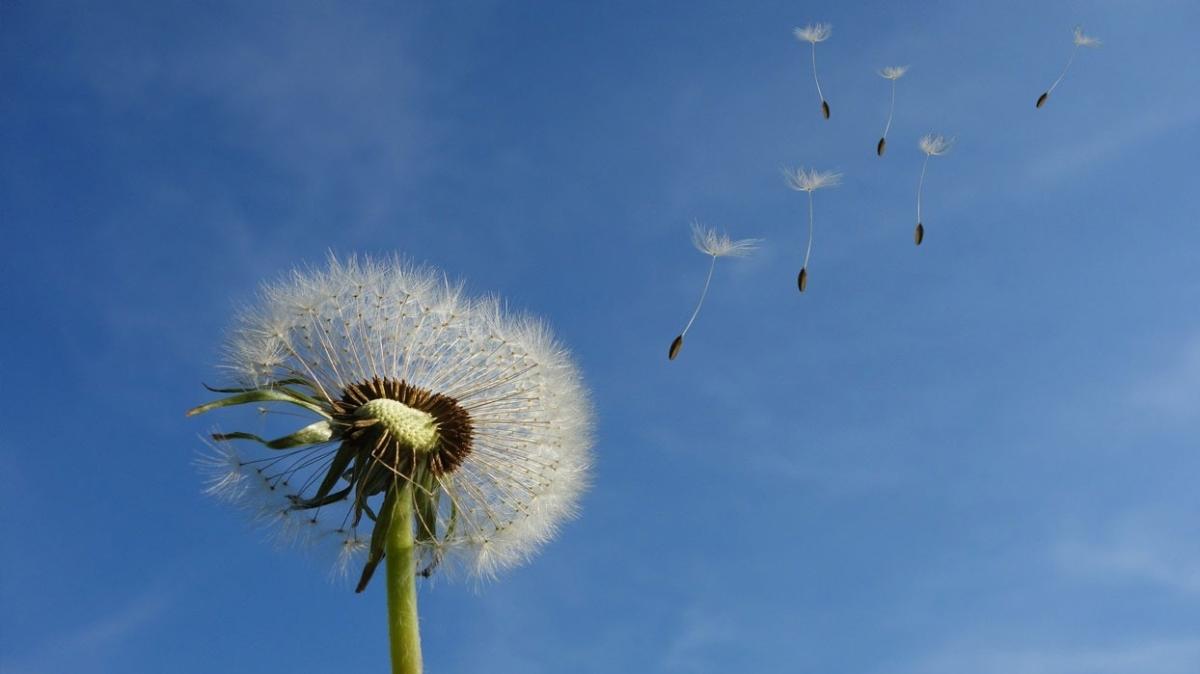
(714, 244)
(804, 180)
(892, 73)
(352, 551)
(812, 34)
(1078, 40)
(933, 145)
(444, 434)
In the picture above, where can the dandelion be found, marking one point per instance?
(715, 245)
(812, 34)
(1079, 40)
(892, 73)
(932, 145)
(442, 432)
(803, 180)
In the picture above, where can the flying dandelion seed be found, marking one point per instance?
(444, 433)
(803, 180)
(932, 145)
(1079, 40)
(812, 34)
(711, 243)
(892, 73)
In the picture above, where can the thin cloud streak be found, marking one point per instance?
(1161, 656)
(85, 649)
(1103, 146)
(1140, 549)
(1173, 392)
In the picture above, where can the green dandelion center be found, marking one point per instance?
(409, 426)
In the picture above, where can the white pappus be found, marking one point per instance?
(479, 414)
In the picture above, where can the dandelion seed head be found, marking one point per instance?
(810, 180)
(481, 409)
(1082, 40)
(711, 242)
(814, 32)
(893, 72)
(935, 145)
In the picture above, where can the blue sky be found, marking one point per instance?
(977, 455)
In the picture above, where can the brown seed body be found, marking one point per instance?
(802, 280)
(675, 347)
(919, 234)
(881, 147)
(1042, 99)
(825, 108)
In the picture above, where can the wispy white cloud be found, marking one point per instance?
(1140, 549)
(333, 98)
(1158, 656)
(1172, 392)
(85, 648)
(1126, 132)
(702, 633)
(851, 473)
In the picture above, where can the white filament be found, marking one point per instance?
(1074, 50)
(808, 251)
(891, 109)
(921, 184)
(703, 294)
(815, 79)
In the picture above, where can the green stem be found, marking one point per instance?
(403, 630)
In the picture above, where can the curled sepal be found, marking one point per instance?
(425, 504)
(281, 385)
(453, 523)
(301, 381)
(337, 469)
(378, 539)
(312, 434)
(299, 503)
(426, 494)
(261, 395)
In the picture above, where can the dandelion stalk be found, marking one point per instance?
(803, 180)
(403, 628)
(1079, 40)
(715, 245)
(814, 33)
(933, 146)
(892, 73)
